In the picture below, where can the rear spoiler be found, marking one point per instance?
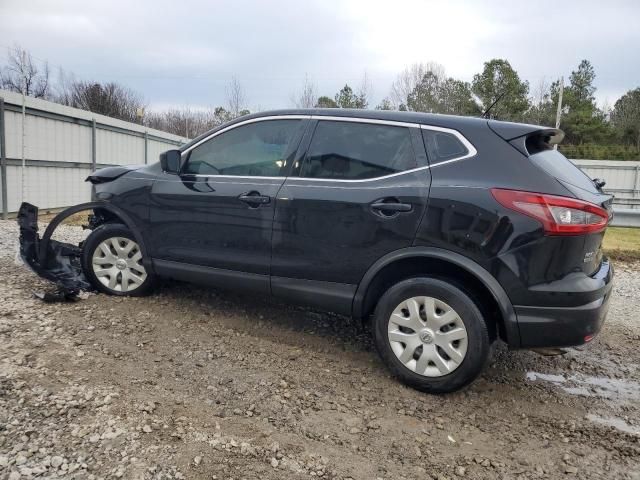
(527, 139)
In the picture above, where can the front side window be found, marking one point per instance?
(354, 151)
(257, 150)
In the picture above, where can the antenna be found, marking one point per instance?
(484, 115)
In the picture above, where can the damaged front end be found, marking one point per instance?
(55, 261)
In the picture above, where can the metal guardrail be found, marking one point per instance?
(626, 217)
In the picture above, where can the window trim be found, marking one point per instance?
(471, 150)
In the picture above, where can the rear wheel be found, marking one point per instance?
(112, 262)
(431, 335)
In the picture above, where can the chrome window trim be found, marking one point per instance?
(246, 122)
(471, 150)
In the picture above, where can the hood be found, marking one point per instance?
(109, 174)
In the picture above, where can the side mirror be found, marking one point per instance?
(170, 161)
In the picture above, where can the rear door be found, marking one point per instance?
(358, 191)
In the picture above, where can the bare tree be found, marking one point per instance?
(110, 99)
(365, 91)
(185, 122)
(236, 98)
(409, 78)
(308, 98)
(22, 74)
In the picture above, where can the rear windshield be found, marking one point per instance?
(557, 165)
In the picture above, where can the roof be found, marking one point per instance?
(438, 120)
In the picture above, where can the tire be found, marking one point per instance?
(112, 262)
(431, 357)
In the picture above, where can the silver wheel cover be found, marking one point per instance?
(427, 336)
(117, 264)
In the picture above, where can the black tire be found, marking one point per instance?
(477, 343)
(91, 244)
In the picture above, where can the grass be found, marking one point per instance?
(622, 243)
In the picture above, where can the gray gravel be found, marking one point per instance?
(194, 383)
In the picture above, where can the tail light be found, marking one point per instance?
(558, 215)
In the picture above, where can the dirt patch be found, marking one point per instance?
(196, 383)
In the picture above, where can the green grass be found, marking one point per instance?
(622, 243)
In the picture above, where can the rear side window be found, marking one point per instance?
(560, 167)
(442, 146)
(354, 151)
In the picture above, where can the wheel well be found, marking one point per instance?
(101, 216)
(436, 268)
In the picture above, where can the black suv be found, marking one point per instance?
(446, 232)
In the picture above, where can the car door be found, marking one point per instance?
(213, 222)
(358, 191)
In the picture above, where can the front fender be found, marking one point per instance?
(57, 261)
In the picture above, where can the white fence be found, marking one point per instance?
(56, 147)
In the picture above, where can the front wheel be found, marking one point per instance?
(431, 335)
(112, 262)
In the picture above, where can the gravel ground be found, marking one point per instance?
(196, 383)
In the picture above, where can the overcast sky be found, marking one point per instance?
(185, 52)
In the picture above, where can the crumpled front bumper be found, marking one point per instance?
(55, 261)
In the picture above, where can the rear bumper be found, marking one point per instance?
(566, 326)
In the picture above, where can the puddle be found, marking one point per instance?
(614, 422)
(588, 386)
(533, 376)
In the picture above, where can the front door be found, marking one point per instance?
(216, 216)
(358, 193)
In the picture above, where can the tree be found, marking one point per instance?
(625, 117)
(579, 94)
(236, 98)
(409, 78)
(365, 91)
(542, 109)
(385, 104)
(499, 80)
(326, 102)
(583, 122)
(308, 97)
(425, 95)
(457, 98)
(436, 94)
(346, 98)
(22, 74)
(180, 121)
(110, 99)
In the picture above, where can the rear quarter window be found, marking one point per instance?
(442, 146)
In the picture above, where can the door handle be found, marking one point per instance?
(390, 207)
(254, 199)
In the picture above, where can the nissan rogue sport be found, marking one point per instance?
(446, 233)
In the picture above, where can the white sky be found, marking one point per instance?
(184, 53)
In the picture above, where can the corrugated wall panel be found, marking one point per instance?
(53, 140)
(13, 134)
(50, 187)
(119, 149)
(155, 148)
